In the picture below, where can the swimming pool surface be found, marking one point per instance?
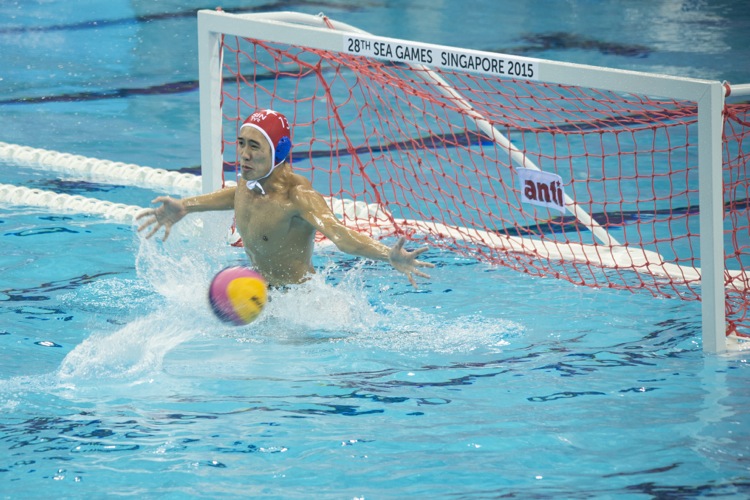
(116, 380)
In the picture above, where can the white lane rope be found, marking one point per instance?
(119, 173)
(105, 171)
(60, 202)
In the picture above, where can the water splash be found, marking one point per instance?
(134, 350)
(355, 313)
(335, 305)
(172, 279)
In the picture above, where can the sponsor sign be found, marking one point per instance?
(541, 188)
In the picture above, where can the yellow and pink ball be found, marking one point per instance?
(238, 295)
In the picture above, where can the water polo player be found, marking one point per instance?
(277, 212)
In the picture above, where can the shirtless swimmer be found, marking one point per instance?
(277, 212)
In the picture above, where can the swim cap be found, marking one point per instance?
(275, 128)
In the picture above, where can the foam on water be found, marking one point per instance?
(353, 313)
(138, 347)
(177, 273)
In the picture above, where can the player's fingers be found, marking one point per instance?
(400, 243)
(419, 251)
(422, 275)
(411, 280)
(421, 263)
(153, 231)
(144, 213)
(146, 224)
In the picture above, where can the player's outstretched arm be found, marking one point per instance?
(313, 208)
(173, 210)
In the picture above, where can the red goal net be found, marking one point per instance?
(594, 187)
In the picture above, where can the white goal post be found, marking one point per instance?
(321, 33)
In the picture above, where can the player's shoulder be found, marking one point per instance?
(297, 181)
(302, 194)
(298, 185)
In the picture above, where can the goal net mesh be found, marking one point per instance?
(397, 154)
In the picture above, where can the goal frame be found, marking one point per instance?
(316, 32)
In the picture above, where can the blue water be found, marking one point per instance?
(115, 379)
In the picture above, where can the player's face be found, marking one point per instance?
(255, 154)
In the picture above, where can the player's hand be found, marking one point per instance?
(166, 215)
(406, 261)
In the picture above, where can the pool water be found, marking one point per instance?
(116, 380)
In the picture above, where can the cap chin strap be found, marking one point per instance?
(256, 183)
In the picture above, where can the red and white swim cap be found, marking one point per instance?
(275, 128)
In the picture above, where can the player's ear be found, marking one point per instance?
(282, 149)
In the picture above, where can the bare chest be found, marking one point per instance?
(262, 219)
(267, 223)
